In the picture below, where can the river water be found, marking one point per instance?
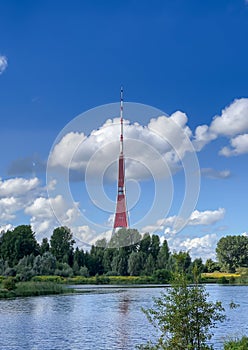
(100, 318)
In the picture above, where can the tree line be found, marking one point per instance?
(127, 254)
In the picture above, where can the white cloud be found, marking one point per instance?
(206, 217)
(197, 218)
(42, 213)
(3, 63)
(232, 122)
(5, 228)
(239, 145)
(18, 186)
(163, 140)
(215, 174)
(8, 207)
(15, 195)
(160, 225)
(199, 247)
(63, 152)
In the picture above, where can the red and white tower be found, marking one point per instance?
(121, 217)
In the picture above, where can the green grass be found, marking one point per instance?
(95, 279)
(25, 289)
(220, 277)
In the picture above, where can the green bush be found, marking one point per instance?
(38, 288)
(9, 283)
(223, 280)
(57, 279)
(162, 276)
(241, 344)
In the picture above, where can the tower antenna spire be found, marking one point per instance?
(121, 119)
(121, 217)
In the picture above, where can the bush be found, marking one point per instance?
(10, 271)
(56, 279)
(223, 280)
(9, 283)
(184, 316)
(241, 344)
(162, 276)
(84, 271)
(102, 279)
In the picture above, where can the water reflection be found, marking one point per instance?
(110, 320)
(124, 303)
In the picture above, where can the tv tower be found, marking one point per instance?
(121, 217)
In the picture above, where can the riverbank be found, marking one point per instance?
(45, 285)
(214, 277)
(26, 289)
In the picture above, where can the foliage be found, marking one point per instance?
(232, 252)
(44, 247)
(125, 238)
(211, 266)
(135, 264)
(184, 317)
(16, 244)
(9, 283)
(22, 257)
(62, 245)
(241, 344)
(54, 279)
(64, 270)
(162, 276)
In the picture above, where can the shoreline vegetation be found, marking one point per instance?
(129, 258)
(49, 285)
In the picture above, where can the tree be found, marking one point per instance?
(211, 266)
(135, 264)
(197, 265)
(232, 252)
(125, 238)
(44, 247)
(182, 261)
(79, 257)
(119, 263)
(45, 264)
(96, 260)
(145, 244)
(149, 265)
(184, 316)
(155, 246)
(16, 244)
(163, 255)
(62, 245)
(107, 259)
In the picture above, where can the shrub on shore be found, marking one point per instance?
(240, 344)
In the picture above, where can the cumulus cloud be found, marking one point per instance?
(3, 63)
(17, 186)
(162, 140)
(206, 217)
(15, 195)
(239, 145)
(42, 213)
(199, 247)
(20, 195)
(215, 174)
(232, 122)
(5, 228)
(197, 218)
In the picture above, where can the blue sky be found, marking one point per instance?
(188, 59)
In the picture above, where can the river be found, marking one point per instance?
(100, 318)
